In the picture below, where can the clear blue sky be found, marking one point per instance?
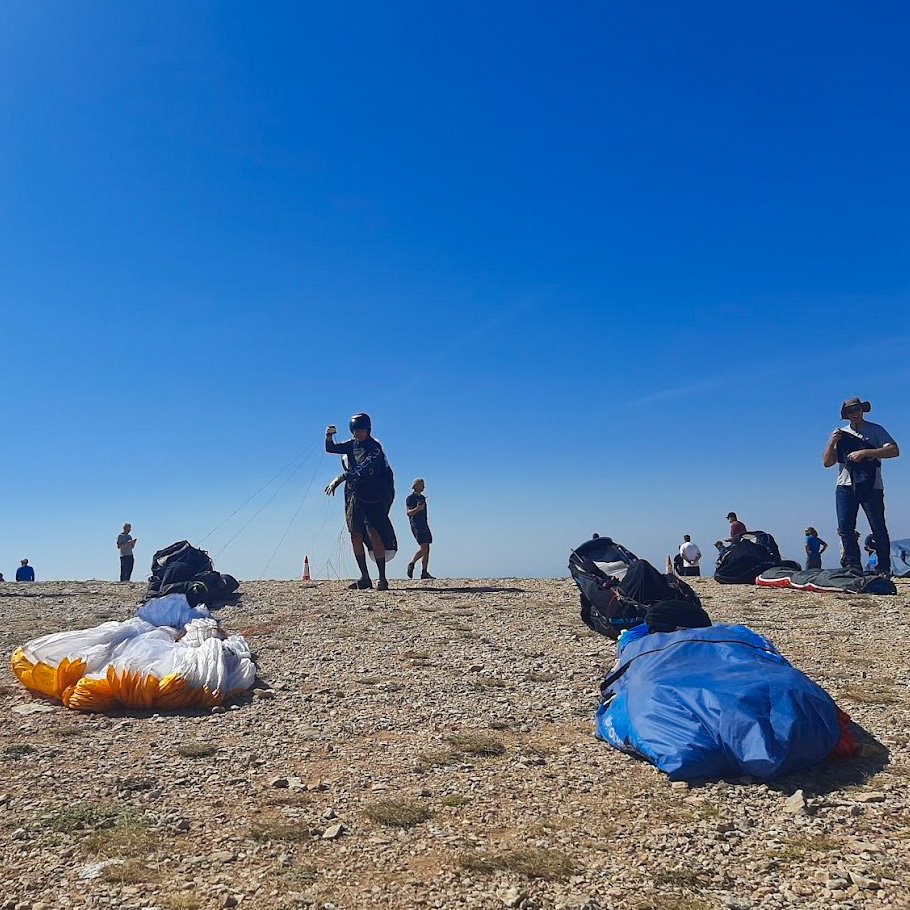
(598, 266)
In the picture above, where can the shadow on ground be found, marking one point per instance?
(480, 589)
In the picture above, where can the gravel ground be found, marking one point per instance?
(433, 747)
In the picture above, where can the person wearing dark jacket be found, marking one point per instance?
(858, 449)
(369, 493)
(25, 572)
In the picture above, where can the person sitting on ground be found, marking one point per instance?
(25, 572)
(737, 528)
(815, 546)
(686, 560)
(416, 505)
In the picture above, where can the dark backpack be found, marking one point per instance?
(181, 568)
(747, 557)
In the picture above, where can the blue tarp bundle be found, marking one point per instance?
(715, 702)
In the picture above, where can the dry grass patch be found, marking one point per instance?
(539, 676)
(15, 751)
(455, 801)
(129, 836)
(479, 744)
(799, 846)
(416, 655)
(531, 862)
(183, 902)
(679, 878)
(65, 731)
(488, 682)
(196, 750)
(131, 872)
(82, 817)
(397, 814)
(873, 693)
(437, 758)
(279, 830)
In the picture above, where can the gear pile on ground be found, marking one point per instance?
(181, 568)
(170, 655)
(747, 556)
(826, 581)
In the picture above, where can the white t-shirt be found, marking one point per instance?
(690, 553)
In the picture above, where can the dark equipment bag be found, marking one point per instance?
(181, 568)
(747, 557)
(611, 603)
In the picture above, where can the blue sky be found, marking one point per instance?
(599, 266)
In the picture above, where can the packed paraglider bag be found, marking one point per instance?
(747, 556)
(182, 568)
(170, 655)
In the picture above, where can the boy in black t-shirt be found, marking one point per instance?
(416, 505)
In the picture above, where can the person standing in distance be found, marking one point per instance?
(25, 572)
(369, 493)
(858, 450)
(815, 546)
(416, 505)
(686, 560)
(126, 543)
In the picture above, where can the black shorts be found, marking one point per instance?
(422, 535)
(362, 517)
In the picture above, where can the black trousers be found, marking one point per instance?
(126, 567)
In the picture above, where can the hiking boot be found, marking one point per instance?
(410, 570)
(360, 585)
(426, 575)
(382, 585)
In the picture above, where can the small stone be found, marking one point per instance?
(19, 834)
(316, 783)
(35, 707)
(222, 856)
(511, 897)
(679, 785)
(796, 804)
(333, 832)
(279, 783)
(872, 796)
(726, 827)
(229, 901)
(219, 709)
(329, 813)
(863, 882)
(265, 693)
(182, 824)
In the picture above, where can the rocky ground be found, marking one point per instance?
(432, 747)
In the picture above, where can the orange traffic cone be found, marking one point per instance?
(306, 569)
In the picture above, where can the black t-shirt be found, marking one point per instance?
(419, 520)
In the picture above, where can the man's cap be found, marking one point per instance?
(854, 403)
(731, 515)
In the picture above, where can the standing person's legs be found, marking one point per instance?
(425, 557)
(361, 557)
(847, 509)
(875, 512)
(379, 554)
(678, 564)
(126, 567)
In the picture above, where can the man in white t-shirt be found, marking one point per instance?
(686, 561)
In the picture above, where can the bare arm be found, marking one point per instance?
(889, 450)
(418, 508)
(829, 459)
